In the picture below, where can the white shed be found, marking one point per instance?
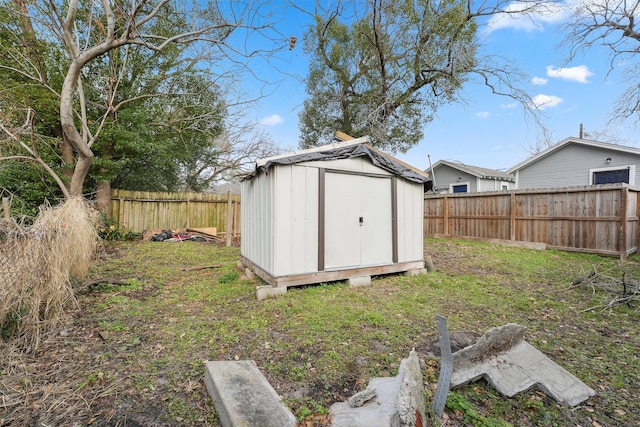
(334, 212)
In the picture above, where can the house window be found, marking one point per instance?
(505, 187)
(459, 188)
(611, 176)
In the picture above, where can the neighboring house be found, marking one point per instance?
(576, 162)
(455, 177)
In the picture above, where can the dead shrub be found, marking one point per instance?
(37, 265)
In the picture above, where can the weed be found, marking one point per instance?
(229, 277)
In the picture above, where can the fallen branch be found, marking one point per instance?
(202, 268)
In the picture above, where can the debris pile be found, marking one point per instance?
(181, 235)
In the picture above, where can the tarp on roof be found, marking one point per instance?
(378, 158)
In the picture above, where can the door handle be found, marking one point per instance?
(361, 221)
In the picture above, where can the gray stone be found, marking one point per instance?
(512, 365)
(359, 281)
(266, 291)
(428, 263)
(360, 398)
(243, 397)
(415, 272)
(250, 274)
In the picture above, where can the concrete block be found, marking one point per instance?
(512, 365)
(410, 400)
(266, 291)
(249, 273)
(397, 400)
(415, 272)
(359, 281)
(243, 397)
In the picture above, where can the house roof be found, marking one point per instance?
(477, 171)
(347, 149)
(567, 141)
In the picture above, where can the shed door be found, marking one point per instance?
(358, 227)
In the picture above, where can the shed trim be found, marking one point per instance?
(344, 150)
(394, 219)
(321, 218)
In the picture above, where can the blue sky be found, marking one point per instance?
(488, 130)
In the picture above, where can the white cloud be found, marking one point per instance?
(271, 120)
(543, 102)
(540, 15)
(482, 114)
(539, 81)
(509, 106)
(578, 74)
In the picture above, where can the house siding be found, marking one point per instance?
(446, 176)
(571, 165)
(493, 185)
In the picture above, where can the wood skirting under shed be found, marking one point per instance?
(330, 276)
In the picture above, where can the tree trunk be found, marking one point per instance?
(70, 134)
(103, 197)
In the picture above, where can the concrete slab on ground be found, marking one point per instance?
(243, 397)
(519, 366)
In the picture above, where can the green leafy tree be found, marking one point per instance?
(382, 68)
(133, 85)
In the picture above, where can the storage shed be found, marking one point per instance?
(334, 212)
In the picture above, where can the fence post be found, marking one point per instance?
(229, 217)
(5, 208)
(512, 219)
(624, 220)
(445, 215)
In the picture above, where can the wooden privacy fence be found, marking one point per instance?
(142, 210)
(599, 219)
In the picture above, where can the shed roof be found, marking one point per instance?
(567, 141)
(477, 171)
(348, 149)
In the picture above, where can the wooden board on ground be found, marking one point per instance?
(209, 231)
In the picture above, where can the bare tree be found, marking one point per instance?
(234, 154)
(610, 24)
(16, 135)
(88, 32)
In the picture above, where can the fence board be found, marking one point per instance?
(142, 210)
(599, 219)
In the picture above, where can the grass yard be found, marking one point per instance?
(132, 352)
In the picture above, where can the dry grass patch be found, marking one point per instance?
(38, 263)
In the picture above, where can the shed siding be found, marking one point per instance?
(358, 164)
(280, 214)
(570, 165)
(410, 219)
(257, 225)
(296, 219)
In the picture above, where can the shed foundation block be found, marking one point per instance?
(359, 281)
(266, 291)
(415, 272)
